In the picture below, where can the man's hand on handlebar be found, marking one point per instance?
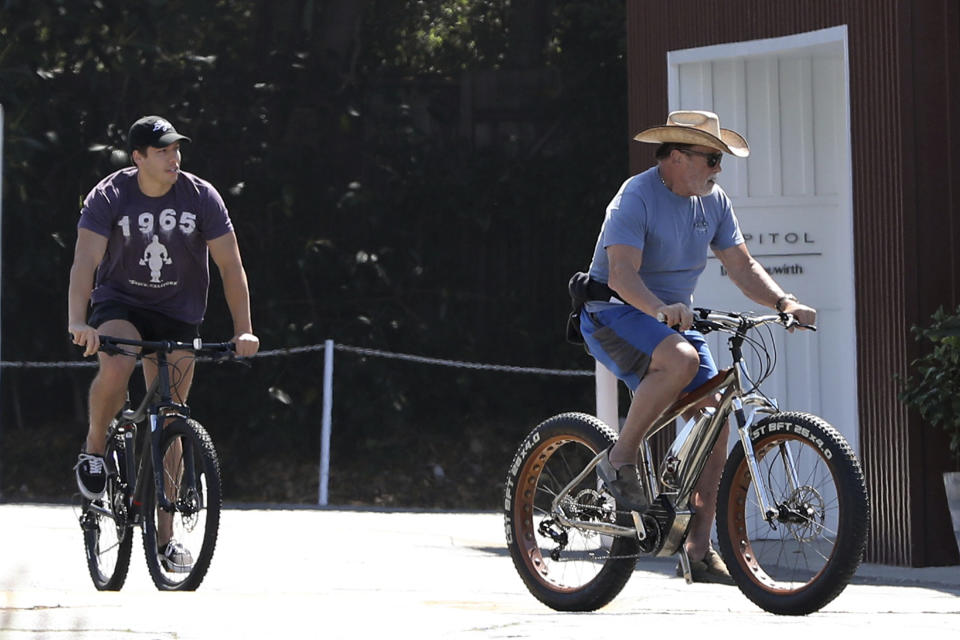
(677, 315)
(85, 336)
(803, 314)
(247, 344)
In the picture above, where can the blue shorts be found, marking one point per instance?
(622, 338)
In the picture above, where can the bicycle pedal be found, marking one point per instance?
(88, 523)
(638, 524)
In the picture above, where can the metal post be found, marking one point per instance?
(606, 390)
(327, 413)
(1, 285)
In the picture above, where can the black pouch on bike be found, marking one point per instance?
(578, 288)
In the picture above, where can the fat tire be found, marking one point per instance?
(825, 446)
(524, 471)
(207, 456)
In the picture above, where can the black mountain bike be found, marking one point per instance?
(160, 463)
(792, 506)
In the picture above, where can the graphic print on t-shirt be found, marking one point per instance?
(155, 256)
(158, 255)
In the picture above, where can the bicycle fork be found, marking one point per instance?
(770, 513)
(187, 482)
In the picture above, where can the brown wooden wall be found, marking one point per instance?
(904, 72)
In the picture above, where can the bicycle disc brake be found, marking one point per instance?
(803, 512)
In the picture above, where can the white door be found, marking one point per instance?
(789, 98)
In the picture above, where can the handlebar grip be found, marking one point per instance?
(662, 318)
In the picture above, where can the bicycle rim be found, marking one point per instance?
(793, 553)
(563, 565)
(192, 483)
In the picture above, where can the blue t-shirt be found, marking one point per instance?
(157, 256)
(674, 233)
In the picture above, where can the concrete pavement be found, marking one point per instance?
(365, 574)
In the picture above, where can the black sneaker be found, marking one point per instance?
(91, 476)
(624, 484)
(175, 558)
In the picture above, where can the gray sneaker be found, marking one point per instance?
(624, 484)
(175, 558)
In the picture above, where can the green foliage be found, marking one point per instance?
(933, 388)
(365, 213)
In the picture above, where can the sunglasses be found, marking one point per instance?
(713, 159)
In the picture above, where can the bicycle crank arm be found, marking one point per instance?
(100, 511)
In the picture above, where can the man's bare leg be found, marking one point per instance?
(673, 365)
(704, 499)
(108, 391)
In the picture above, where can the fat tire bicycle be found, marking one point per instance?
(169, 463)
(792, 507)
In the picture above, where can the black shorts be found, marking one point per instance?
(150, 324)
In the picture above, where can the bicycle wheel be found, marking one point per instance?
(566, 568)
(108, 539)
(807, 553)
(192, 484)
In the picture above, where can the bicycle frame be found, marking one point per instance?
(691, 449)
(156, 407)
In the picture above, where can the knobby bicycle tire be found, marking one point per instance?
(817, 541)
(197, 518)
(588, 570)
(108, 545)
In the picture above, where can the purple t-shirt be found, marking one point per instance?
(156, 255)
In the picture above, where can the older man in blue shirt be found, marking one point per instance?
(651, 250)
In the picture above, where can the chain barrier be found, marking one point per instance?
(376, 353)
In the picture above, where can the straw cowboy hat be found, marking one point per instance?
(697, 127)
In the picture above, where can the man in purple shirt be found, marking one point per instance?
(141, 261)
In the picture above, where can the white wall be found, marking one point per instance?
(789, 98)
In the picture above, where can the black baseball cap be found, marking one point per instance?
(153, 131)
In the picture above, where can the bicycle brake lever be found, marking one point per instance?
(112, 349)
(230, 356)
(790, 322)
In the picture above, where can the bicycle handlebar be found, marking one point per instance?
(110, 344)
(731, 320)
(706, 320)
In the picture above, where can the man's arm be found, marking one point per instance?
(226, 255)
(87, 255)
(625, 261)
(755, 283)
